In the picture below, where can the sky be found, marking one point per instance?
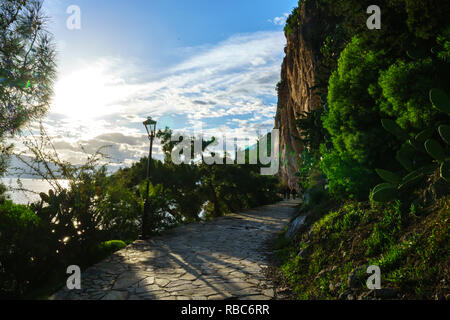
(209, 66)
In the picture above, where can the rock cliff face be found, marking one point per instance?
(295, 91)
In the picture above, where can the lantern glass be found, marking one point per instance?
(150, 126)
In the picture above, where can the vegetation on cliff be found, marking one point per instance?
(381, 131)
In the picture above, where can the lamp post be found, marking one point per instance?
(150, 126)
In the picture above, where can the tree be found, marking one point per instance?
(27, 68)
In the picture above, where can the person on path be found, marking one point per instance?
(294, 194)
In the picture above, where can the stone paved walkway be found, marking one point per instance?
(220, 259)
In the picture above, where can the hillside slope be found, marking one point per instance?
(372, 160)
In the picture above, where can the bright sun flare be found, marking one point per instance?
(89, 94)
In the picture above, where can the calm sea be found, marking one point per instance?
(35, 185)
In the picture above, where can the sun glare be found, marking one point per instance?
(89, 93)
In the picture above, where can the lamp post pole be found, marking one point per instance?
(150, 125)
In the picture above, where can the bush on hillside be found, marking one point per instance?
(21, 248)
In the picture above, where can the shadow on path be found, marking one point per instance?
(220, 259)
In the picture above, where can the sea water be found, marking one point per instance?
(35, 185)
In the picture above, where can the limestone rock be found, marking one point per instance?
(296, 93)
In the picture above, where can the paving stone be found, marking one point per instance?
(178, 283)
(219, 259)
(246, 292)
(179, 288)
(189, 277)
(126, 280)
(162, 282)
(147, 281)
(269, 292)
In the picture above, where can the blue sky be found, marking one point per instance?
(203, 65)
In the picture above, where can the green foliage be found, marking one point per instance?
(411, 178)
(443, 40)
(435, 150)
(21, 249)
(445, 170)
(351, 218)
(316, 195)
(346, 177)
(412, 251)
(27, 68)
(422, 143)
(392, 259)
(405, 86)
(121, 210)
(27, 64)
(332, 46)
(389, 176)
(425, 18)
(385, 232)
(394, 129)
(312, 132)
(109, 247)
(384, 193)
(308, 163)
(404, 157)
(280, 85)
(292, 21)
(424, 135)
(373, 79)
(444, 132)
(282, 247)
(440, 100)
(353, 119)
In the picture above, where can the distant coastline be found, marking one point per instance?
(36, 185)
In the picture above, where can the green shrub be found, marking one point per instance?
(346, 177)
(2, 191)
(405, 87)
(353, 120)
(317, 194)
(21, 249)
(120, 208)
(292, 21)
(109, 247)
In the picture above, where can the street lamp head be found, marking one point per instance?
(150, 126)
(149, 121)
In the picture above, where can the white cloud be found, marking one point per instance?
(103, 99)
(280, 21)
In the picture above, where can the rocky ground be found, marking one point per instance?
(222, 259)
